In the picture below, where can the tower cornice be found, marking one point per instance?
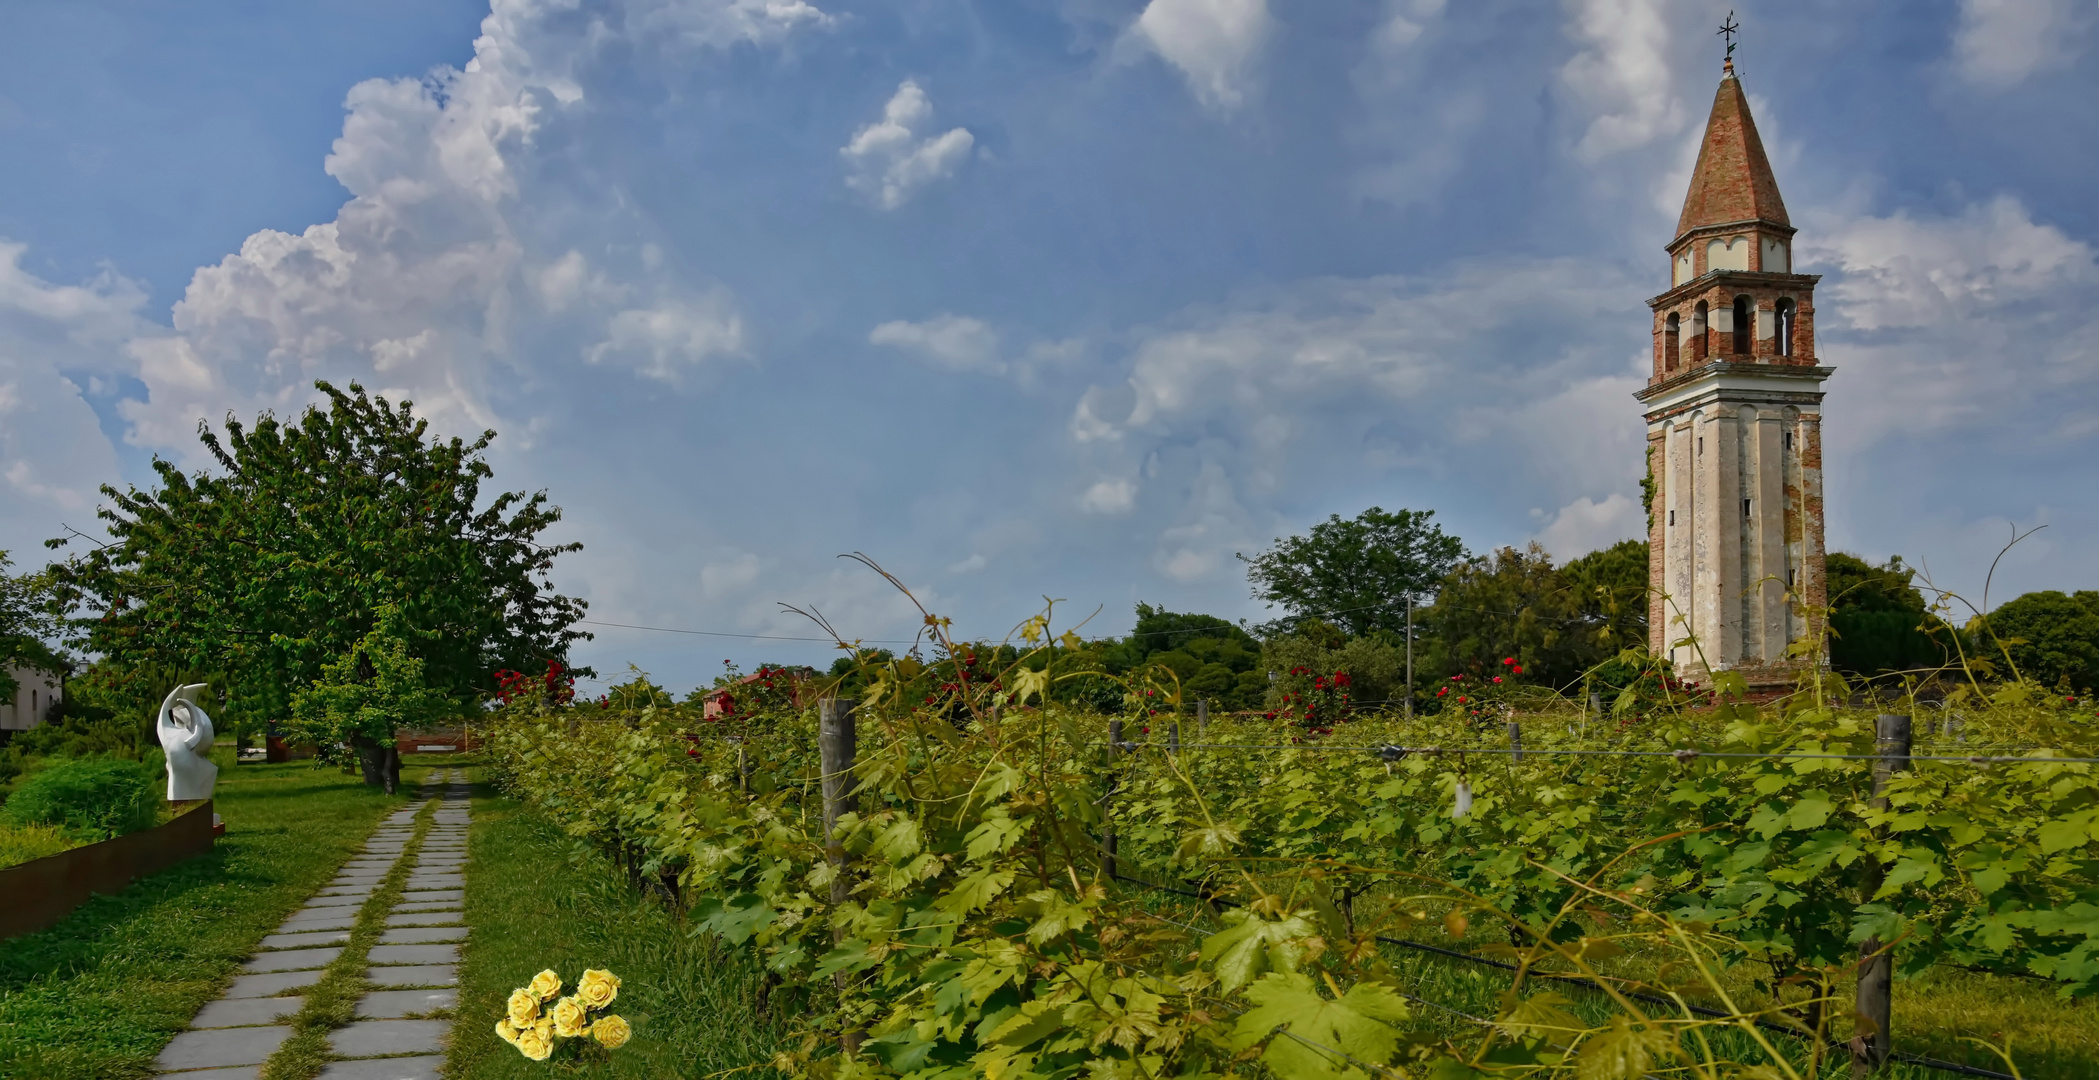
(1724, 228)
(1751, 278)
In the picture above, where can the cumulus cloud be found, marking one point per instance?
(1959, 320)
(1225, 412)
(672, 336)
(53, 454)
(1587, 524)
(1112, 496)
(1622, 73)
(1214, 44)
(889, 161)
(421, 286)
(950, 342)
(2000, 43)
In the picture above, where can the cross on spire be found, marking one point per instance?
(1728, 29)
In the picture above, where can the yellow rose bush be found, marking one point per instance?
(535, 1018)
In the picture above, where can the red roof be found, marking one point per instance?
(1733, 180)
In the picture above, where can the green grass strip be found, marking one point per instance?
(332, 1002)
(539, 899)
(99, 995)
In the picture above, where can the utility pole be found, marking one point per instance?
(1410, 657)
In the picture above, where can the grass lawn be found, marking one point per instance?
(536, 899)
(98, 995)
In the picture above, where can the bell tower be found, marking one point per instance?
(1734, 423)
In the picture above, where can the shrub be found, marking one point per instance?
(27, 843)
(92, 798)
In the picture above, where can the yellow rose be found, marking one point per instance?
(506, 1031)
(597, 988)
(535, 1043)
(523, 1009)
(570, 1021)
(612, 1031)
(545, 984)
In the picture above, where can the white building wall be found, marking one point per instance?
(33, 698)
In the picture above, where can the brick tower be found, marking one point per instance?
(1734, 423)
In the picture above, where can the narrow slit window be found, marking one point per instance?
(1745, 507)
(1789, 440)
(1672, 517)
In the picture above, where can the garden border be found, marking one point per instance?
(44, 891)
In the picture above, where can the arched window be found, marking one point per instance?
(1669, 341)
(1785, 327)
(1698, 342)
(1743, 313)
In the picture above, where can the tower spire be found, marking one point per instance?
(1732, 181)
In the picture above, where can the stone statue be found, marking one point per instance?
(185, 733)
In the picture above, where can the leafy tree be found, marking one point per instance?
(26, 627)
(1356, 573)
(1512, 604)
(367, 695)
(1611, 585)
(1878, 620)
(2052, 637)
(278, 564)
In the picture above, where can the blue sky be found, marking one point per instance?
(1035, 298)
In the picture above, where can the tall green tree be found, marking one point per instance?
(1512, 604)
(1878, 620)
(1611, 586)
(1358, 573)
(277, 563)
(2052, 637)
(365, 697)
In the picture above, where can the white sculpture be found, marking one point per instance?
(185, 733)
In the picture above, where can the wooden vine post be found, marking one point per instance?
(1202, 715)
(1516, 740)
(837, 746)
(1876, 968)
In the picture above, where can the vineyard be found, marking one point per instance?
(953, 874)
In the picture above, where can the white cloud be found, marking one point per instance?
(723, 578)
(1623, 74)
(1214, 43)
(1958, 321)
(672, 335)
(1490, 371)
(952, 342)
(2000, 43)
(1586, 525)
(1111, 496)
(53, 455)
(417, 287)
(889, 161)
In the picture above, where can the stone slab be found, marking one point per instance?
(426, 918)
(276, 982)
(221, 1047)
(414, 954)
(427, 905)
(422, 935)
(373, 1038)
(426, 896)
(246, 1012)
(414, 975)
(402, 1068)
(336, 901)
(393, 1004)
(335, 918)
(346, 890)
(244, 1072)
(291, 960)
(430, 882)
(306, 939)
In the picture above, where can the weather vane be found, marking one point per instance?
(1728, 29)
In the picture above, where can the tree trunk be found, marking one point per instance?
(381, 765)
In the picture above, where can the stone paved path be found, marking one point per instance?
(414, 966)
